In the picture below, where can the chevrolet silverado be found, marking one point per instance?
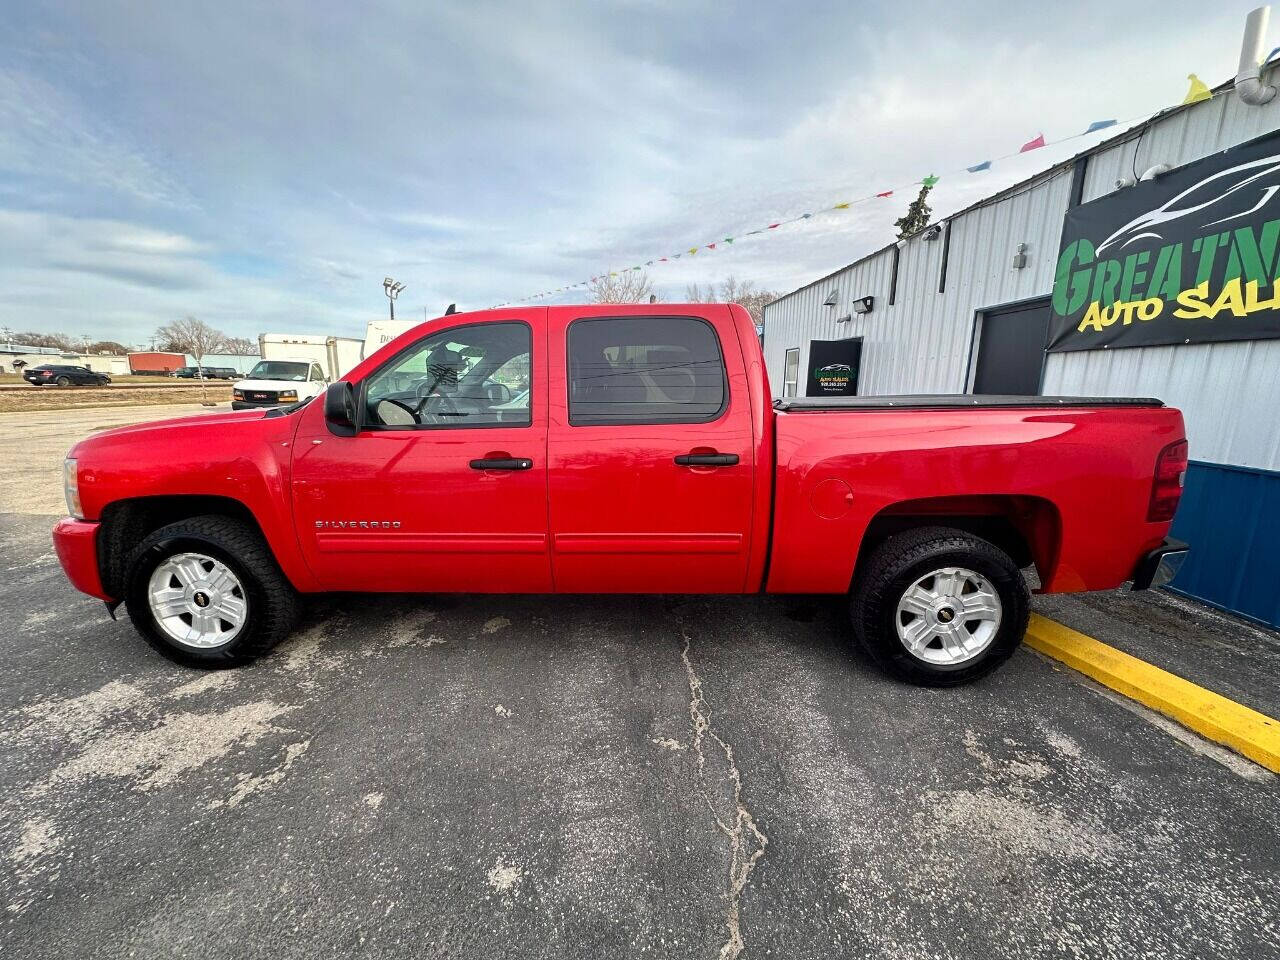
(622, 449)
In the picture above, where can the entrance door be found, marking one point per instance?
(1011, 349)
(651, 460)
(445, 485)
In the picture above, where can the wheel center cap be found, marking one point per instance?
(200, 598)
(946, 615)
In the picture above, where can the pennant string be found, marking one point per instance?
(1198, 92)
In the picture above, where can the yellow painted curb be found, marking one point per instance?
(1246, 731)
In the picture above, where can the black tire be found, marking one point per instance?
(272, 603)
(897, 563)
(63, 381)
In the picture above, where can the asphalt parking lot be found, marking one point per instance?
(587, 777)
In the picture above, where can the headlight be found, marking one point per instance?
(237, 394)
(71, 488)
(288, 395)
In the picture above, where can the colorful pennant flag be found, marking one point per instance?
(1197, 92)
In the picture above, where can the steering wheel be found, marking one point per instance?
(424, 390)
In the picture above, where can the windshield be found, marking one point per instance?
(279, 370)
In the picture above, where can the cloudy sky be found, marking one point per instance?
(264, 165)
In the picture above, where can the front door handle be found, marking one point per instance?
(706, 459)
(503, 463)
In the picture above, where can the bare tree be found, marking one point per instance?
(197, 338)
(732, 291)
(625, 286)
(242, 346)
(59, 341)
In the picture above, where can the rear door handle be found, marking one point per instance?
(706, 459)
(502, 463)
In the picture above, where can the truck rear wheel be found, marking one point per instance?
(939, 607)
(206, 592)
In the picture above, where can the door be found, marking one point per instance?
(444, 486)
(791, 372)
(1011, 349)
(650, 453)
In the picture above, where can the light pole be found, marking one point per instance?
(392, 289)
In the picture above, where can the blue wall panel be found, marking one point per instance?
(1231, 518)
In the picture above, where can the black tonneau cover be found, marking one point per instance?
(952, 401)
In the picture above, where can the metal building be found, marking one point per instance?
(965, 308)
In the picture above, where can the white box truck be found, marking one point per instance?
(381, 332)
(294, 366)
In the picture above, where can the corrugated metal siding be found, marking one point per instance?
(922, 342)
(1229, 393)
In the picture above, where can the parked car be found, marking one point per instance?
(64, 375)
(623, 449)
(209, 373)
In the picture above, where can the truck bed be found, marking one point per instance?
(951, 401)
(1075, 472)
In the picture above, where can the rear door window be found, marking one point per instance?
(645, 370)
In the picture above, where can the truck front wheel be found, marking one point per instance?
(206, 592)
(939, 607)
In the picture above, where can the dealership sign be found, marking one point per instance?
(833, 368)
(1191, 257)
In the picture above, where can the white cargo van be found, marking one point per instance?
(294, 367)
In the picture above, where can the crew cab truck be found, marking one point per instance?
(622, 449)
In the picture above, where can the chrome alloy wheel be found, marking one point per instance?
(948, 616)
(197, 600)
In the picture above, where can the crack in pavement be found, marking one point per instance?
(747, 841)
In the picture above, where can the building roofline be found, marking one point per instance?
(1131, 133)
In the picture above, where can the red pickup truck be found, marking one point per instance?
(622, 449)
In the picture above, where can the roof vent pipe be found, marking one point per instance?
(1249, 84)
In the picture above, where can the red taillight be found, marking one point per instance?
(1166, 489)
(46, 373)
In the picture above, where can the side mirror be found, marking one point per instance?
(340, 409)
(499, 393)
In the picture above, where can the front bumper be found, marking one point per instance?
(76, 544)
(1160, 565)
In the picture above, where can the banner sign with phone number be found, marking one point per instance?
(833, 368)
(1190, 257)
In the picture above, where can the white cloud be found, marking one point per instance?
(265, 169)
